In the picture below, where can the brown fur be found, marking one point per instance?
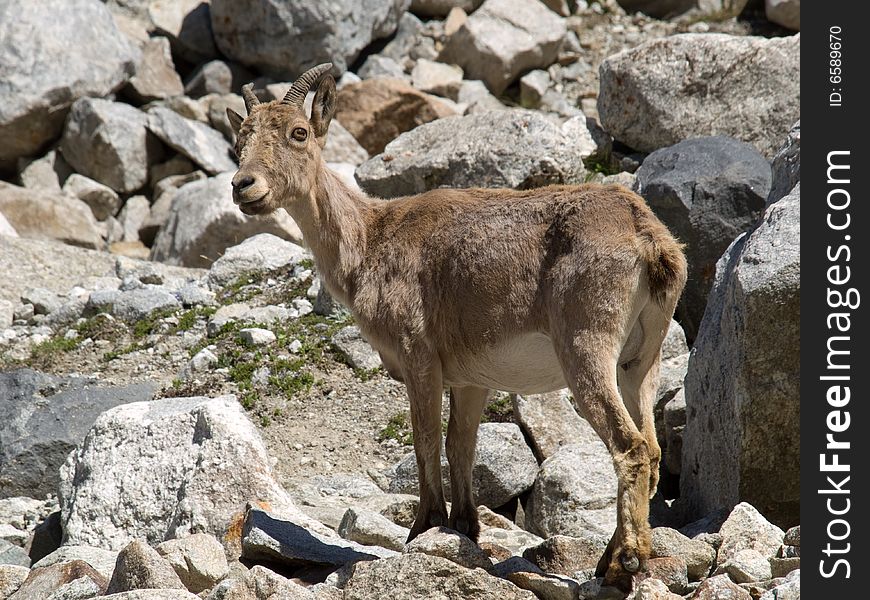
(480, 289)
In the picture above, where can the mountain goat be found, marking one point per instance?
(480, 289)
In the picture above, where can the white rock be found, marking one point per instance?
(176, 466)
(254, 336)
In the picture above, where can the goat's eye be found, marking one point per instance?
(300, 134)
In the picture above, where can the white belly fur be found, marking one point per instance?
(525, 364)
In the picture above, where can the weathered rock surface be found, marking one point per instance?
(416, 575)
(784, 12)
(566, 555)
(503, 39)
(200, 143)
(102, 561)
(187, 24)
(44, 418)
(746, 529)
(102, 199)
(43, 215)
(155, 77)
(11, 578)
(110, 143)
(504, 467)
(699, 556)
(742, 389)
(35, 95)
(198, 560)
(707, 191)
(719, 587)
(183, 484)
(203, 222)
(299, 542)
(29, 263)
(550, 422)
(342, 147)
(452, 545)
(44, 581)
(140, 567)
(249, 31)
(355, 349)
(675, 88)
(377, 111)
(786, 166)
(372, 529)
(511, 148)
(255, 256)
(574, 493)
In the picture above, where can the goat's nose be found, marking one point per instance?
(240, 182)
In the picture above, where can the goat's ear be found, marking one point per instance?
(235, 120)
(323, 108)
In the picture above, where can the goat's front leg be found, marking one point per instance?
(424, 384)
(466, 407)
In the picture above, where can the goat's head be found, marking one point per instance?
(279, 146)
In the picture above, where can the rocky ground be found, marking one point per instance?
(186, 413)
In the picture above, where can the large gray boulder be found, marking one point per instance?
(743, 386)
(707, 191)
(696, 84)
(177, 466)
(254, 32)
(503, 39)
(198, 142)
(574, 493)
(44, 215)
(511, 148)
(504, 467)
(155, 77)
(550, 422)
(51, 53)
(110, 143)
(203, 222)
(44, 418)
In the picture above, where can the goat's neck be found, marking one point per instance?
(333, 222)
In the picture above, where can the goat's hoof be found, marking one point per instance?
(630, 562)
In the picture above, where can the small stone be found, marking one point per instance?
(139, 303)
(355, 349)
(370, 528)
(11, 578)
(254, 336)
(746, 529)
(43, 301)
(102, 199)
(198, 560)
(720, 587)
(781, 567)
(435, 77)
(139, 566)
(746, 566)
(566, 555)
(793, 537)
(671, 571)
(533, 86)
(699, 556)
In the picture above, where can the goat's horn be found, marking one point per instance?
(250, 99)
(296, 94)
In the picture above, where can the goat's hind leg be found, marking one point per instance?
(466, 407)
(590, 370)
(424, 385)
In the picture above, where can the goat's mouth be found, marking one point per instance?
(255, 207)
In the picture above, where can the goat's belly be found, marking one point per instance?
(526, 365)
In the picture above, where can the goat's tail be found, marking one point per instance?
(662, 254)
